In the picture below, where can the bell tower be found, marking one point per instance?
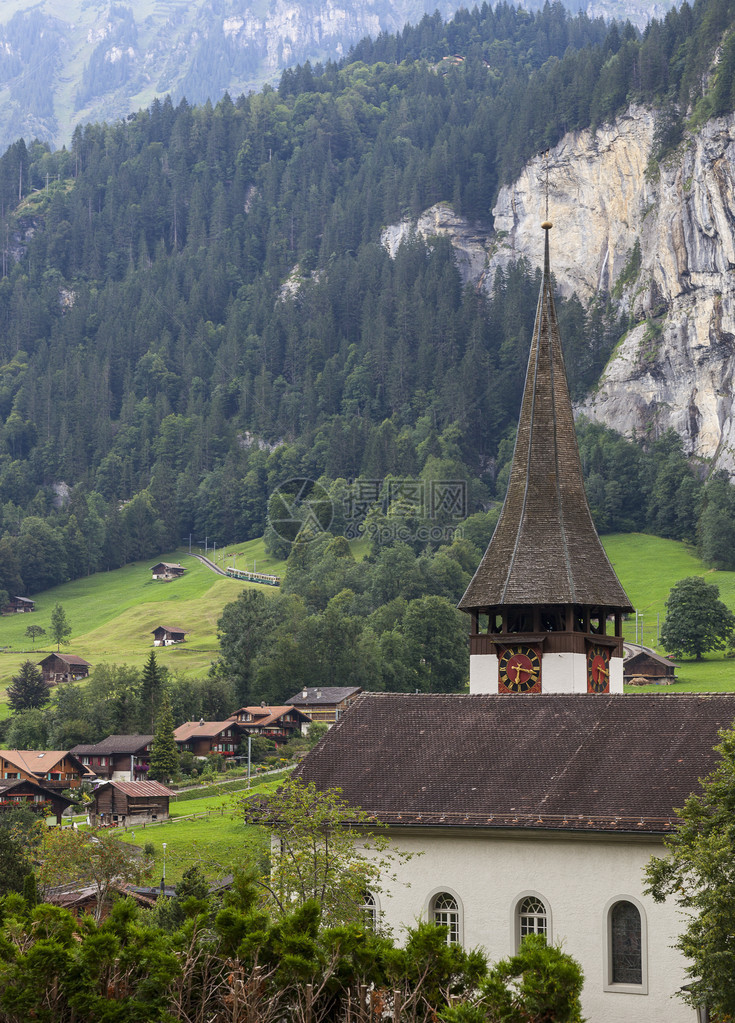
(545, 603)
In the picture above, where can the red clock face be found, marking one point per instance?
(519, 670)
(598, 670)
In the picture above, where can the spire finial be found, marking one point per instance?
(547, 225)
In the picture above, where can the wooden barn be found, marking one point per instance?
(63, 668)
(168, 635)
(130, 802)
(644, 667)
(18, 605)
(167, 570)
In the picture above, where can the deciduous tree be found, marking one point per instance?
(34, 632)
(696, 619)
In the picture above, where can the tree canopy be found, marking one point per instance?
(696, 619)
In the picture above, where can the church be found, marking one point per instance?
(534, 802)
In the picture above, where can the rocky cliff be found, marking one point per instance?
(660, 239)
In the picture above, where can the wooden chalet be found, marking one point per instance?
(130, 802)
(644, 667)
(277, 723)
(41, 797)
(18, 605)
(168, 635)
(118, 757)
(167, 570)
(204, 737)
(56, 769)
(60, 667)
(325, 703)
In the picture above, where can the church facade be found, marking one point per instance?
(534, 803)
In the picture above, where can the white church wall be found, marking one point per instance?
(578, 879)
(560, 673)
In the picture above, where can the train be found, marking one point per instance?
(253, 577)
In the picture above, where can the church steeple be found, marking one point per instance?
(545, 583)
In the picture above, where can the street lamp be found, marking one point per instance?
(163, 882)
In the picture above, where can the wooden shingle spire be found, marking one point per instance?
(545, 549)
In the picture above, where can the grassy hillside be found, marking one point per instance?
(112, 614)
(648, 567)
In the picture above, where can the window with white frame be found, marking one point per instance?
(626, 959)
(445, 913)
(532, 917)
(370, 911)
(626, 946)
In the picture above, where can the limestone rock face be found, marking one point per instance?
(661, 241)
(470, 242)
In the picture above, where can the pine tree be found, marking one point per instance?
(28, 689)
(164, 752)
(151, 690)
(60, 627)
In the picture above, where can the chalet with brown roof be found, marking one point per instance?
(167, 570)
(118, 757)
(43, 798)
(18, 605)
(130, 802)
(536, 810)
(55, 769)
(60, 667)
(168, 635)
(325, 703)
(204, 737)
(644, 667)
(277, 723)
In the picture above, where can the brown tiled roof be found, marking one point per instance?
(607, 762)
(37, 761)
(329, 695)
(545, 549)
(114, 744)
(139, 788)
(171, 628)
(189, 729)
(266, 715)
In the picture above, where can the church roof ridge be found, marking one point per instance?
(545, 548)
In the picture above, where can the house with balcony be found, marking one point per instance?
(42, 798)
(118, 757)
(204, 737)
(18, 605)
(276, 723)
(325, 703)
(55, 769)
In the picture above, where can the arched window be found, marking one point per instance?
(626, 942)
(532, 917)
(370, 911)
(626, 949)
(445, 913)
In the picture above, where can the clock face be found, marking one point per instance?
(598, 670)
(519, 670)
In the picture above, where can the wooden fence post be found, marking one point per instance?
(396, 1006)
(363, 1003)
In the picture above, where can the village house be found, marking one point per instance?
(644, 667)
(56, 769)
(41, 797)
(118, 757)
(277, 723)
(167, 570)
(204, 737)
(18, 605)
(60, 667)
(168, 635)
(325, 703)
(130, 802)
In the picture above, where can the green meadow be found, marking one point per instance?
(648, 567)
(112, 614)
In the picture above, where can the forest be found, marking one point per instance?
(195, 305)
